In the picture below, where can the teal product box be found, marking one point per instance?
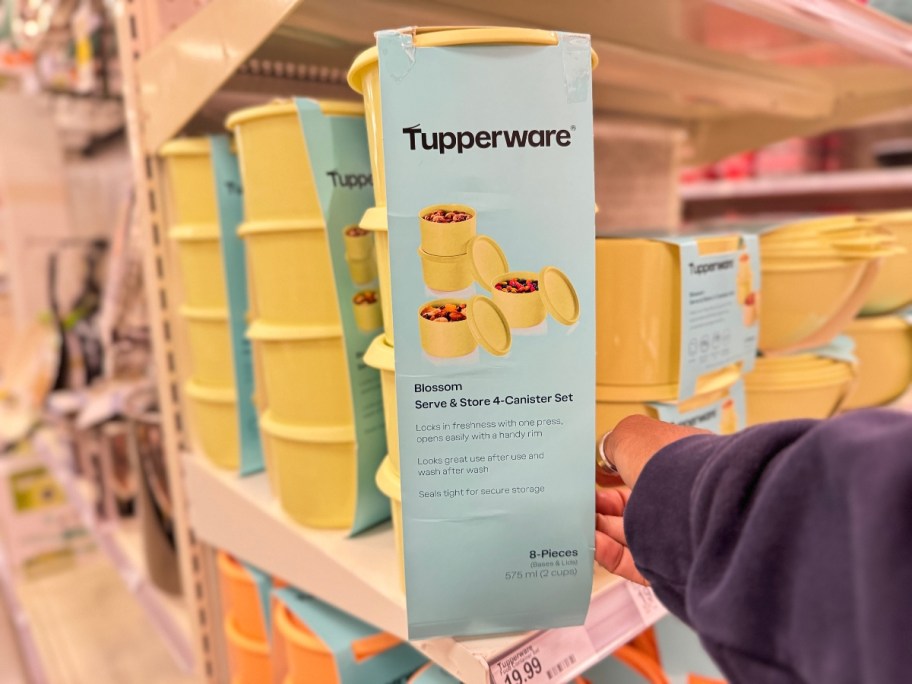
(432, 674)
(361, 653)
(490, 202)
(720, 300)
(840, 348)
(337, 147)
(724, 416)
(230, 197)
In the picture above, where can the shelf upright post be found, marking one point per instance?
(137, 31)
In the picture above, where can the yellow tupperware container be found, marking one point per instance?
(305, 373)
(446, 239)
(362, 271)
(883, 345)
(811, 390)
(292, 272)
(638, 331)
(200, 259)
(364, 77)
(368, 315)
(446, 273)
(210, 346)
(275, 165)
(555, 295)
(358, 244)
(381, 356)
(213, 413)
(892, 290)
(485, 325)
(609, 413)
(249, 658)
(191, 181)
(317, 471)
(389, 483)
(374, 220)
(242, 599)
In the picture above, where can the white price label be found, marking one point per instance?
(647, 603)
(549, 657)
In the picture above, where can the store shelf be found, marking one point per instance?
(834, 183)
(360, 576)
(736, 74)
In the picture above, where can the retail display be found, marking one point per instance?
(883, 345)
(892, 289)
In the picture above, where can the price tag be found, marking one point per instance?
(549, 657)
(647, 603)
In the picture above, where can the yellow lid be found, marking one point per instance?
(440, 259)
(268, 332)
(488, 260)
(374, 219)
(262, 227)
(195, 314)
(443, 36)
(219, 395)
(334, 434)
(559, 295)
(281, 107)
(388, 480)
(489, 326)
(185, 147)
(879, 324)
(202, 232)
(380, 355)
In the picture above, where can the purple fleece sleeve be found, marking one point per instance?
(788, 547)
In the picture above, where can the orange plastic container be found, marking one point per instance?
(248, 658)
(241, 597)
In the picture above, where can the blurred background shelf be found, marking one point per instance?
(832, 183)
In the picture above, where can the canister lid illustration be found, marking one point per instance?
(488, 260)
(559, 295)
(489, 326)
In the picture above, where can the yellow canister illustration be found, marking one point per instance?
(446, 273)
(366, 307)
(729, 420)
(446, 228)
(451, 327)
(359, 243)
(362, 271)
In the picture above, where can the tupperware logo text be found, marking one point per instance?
(711, 267)
(483, 140)
(698, 420)
(352, 181)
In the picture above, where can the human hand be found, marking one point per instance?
(611, 550)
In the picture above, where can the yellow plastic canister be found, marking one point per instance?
(249, 658)
(275, 166)
(242, 599)
(389, 483)
(883, 345)
(362, 271)
(214, 423)
(381, 355)
(291, 272)
(359, 243)
(775, 392)
(305, 373)
(892, 290)
(485, 325)
(317, 472)
(375, 220)
(446, 239)
(367, 310)
(210, 346)
(199, 256)
(364, 77)
(191, 181)
(638, 320)
(445, 273)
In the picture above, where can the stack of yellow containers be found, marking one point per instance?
(817, 275)
(307, 419)
(883, 339)
(195, 232)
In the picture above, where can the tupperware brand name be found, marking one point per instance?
(697, 420)
(711, 267)
(350, 180)
(466, 140)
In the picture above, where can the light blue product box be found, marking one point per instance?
(230, 197)
(263, 583)
(496, 403)
(723, 416)
(432, 674)
(356, 663)
(339, 159)
(719, 309)
(840, 348)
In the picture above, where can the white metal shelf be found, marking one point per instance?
(360, 576)
(833, 183)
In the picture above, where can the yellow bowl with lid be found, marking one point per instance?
(638, 331)
(214, 423)
(305, 373)
(364, 76)
(275, 165)
(316, 471)
(382, 356)
(191, 182)
(456, 327)
(883, 345)
(892, 290)
(291, 272)
(210, 346)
